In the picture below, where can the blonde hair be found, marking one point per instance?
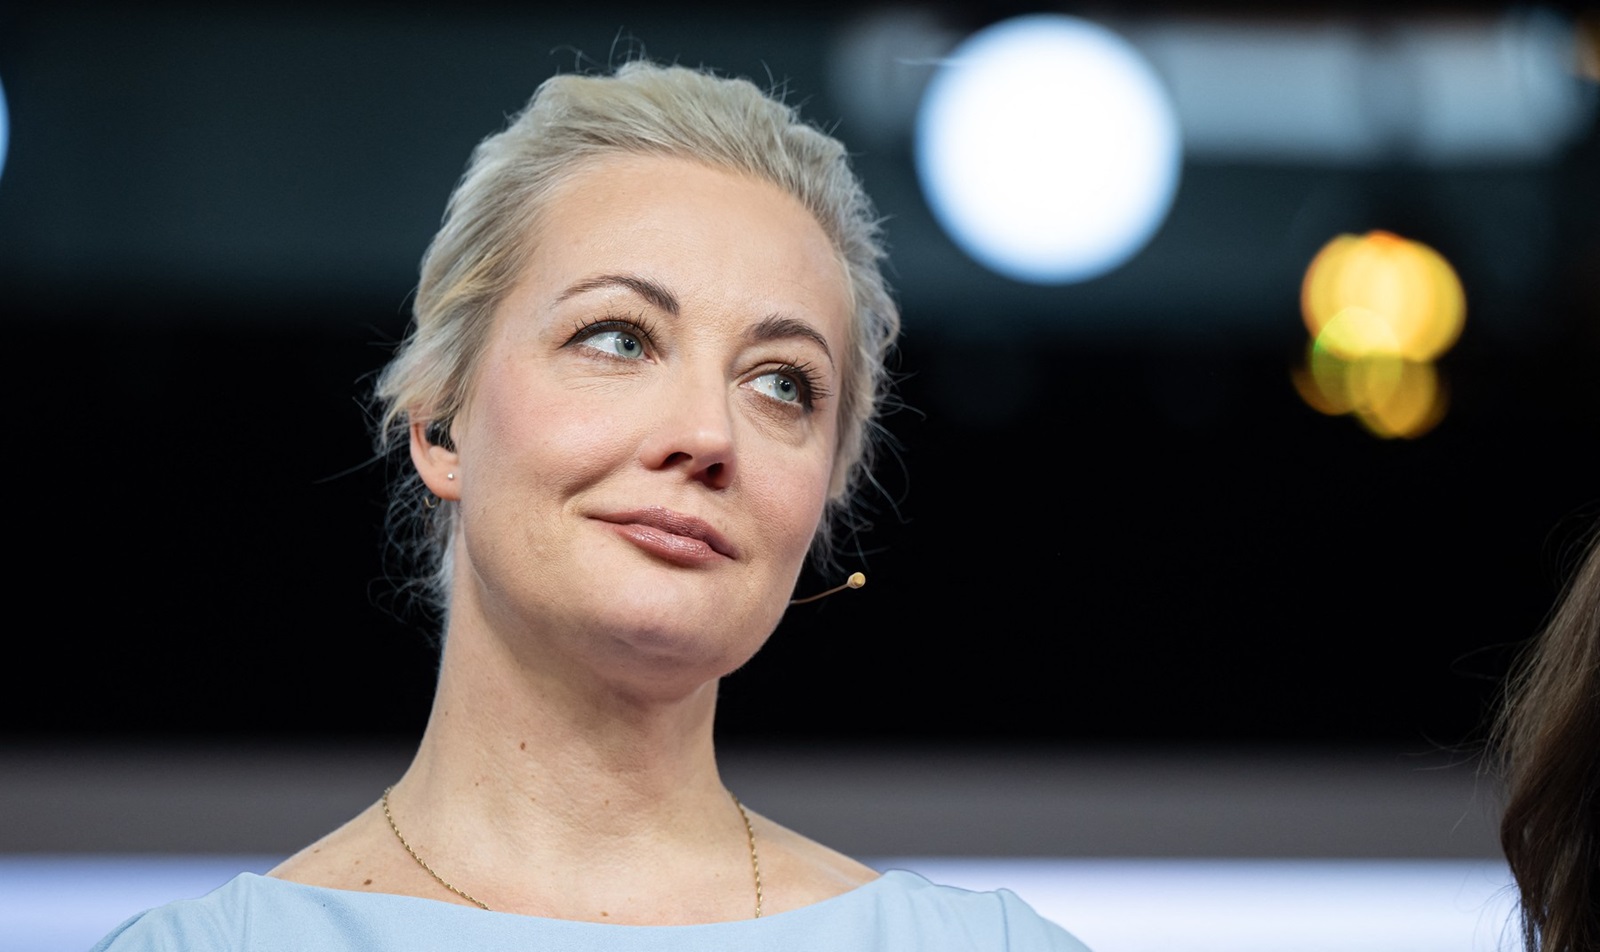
(642, 108)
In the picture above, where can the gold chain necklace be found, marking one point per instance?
(750, 833)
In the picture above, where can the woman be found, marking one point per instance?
(647, 351)
(1548, 739)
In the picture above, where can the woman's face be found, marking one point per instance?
(645, 451)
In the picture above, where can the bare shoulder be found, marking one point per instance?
(798, 871)
(354, 856)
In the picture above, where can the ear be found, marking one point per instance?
(439, 467)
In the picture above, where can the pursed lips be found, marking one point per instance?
(674, 523)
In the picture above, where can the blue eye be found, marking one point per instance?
(779, 386)
(617, 344)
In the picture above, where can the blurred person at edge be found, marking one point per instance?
(1547, 744)
(647, 354)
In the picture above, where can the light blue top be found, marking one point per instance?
(899, 910)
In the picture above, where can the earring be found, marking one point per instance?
(430, 501)
(449, 475)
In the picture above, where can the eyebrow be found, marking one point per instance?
(774, 327)
(652, 292)
(778, 327)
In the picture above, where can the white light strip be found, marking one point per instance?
(1507, 89)
(1434, 92)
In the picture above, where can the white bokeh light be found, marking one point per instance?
(1048, 149)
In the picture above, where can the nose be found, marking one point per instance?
(693, 432)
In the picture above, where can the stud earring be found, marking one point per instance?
(449, 475)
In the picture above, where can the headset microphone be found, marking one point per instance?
(856, 580)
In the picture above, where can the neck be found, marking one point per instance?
(536, 745)
(554, 779)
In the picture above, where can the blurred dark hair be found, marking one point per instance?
(1547, 740)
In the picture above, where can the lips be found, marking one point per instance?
(675, 536)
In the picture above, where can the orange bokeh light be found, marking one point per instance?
(1406, 285)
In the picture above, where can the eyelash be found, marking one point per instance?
(638, 326)
(805, 376)
(802, 372)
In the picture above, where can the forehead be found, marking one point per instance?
(713, 236)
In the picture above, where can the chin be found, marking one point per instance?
(688, 648)
(665, 669)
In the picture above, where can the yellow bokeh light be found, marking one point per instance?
(1354, 362)
(1355, 333)
(1312, 393)
(1321, 383)
(1414, 406)
(1404, 284)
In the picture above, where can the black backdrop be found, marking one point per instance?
(200, 553)
(1123, 539)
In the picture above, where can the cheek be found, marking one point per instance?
(557, 437)
(794, 497)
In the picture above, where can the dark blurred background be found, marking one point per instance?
(1109, 517)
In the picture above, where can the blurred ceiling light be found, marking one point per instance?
(881, 63)
(1510, 88)
(1423, 90)
(1337, 380)
(1380, 309)
(1431, 91)
(1415, 404)
(1390, 398)
(1406, 286)
(1047, 148)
